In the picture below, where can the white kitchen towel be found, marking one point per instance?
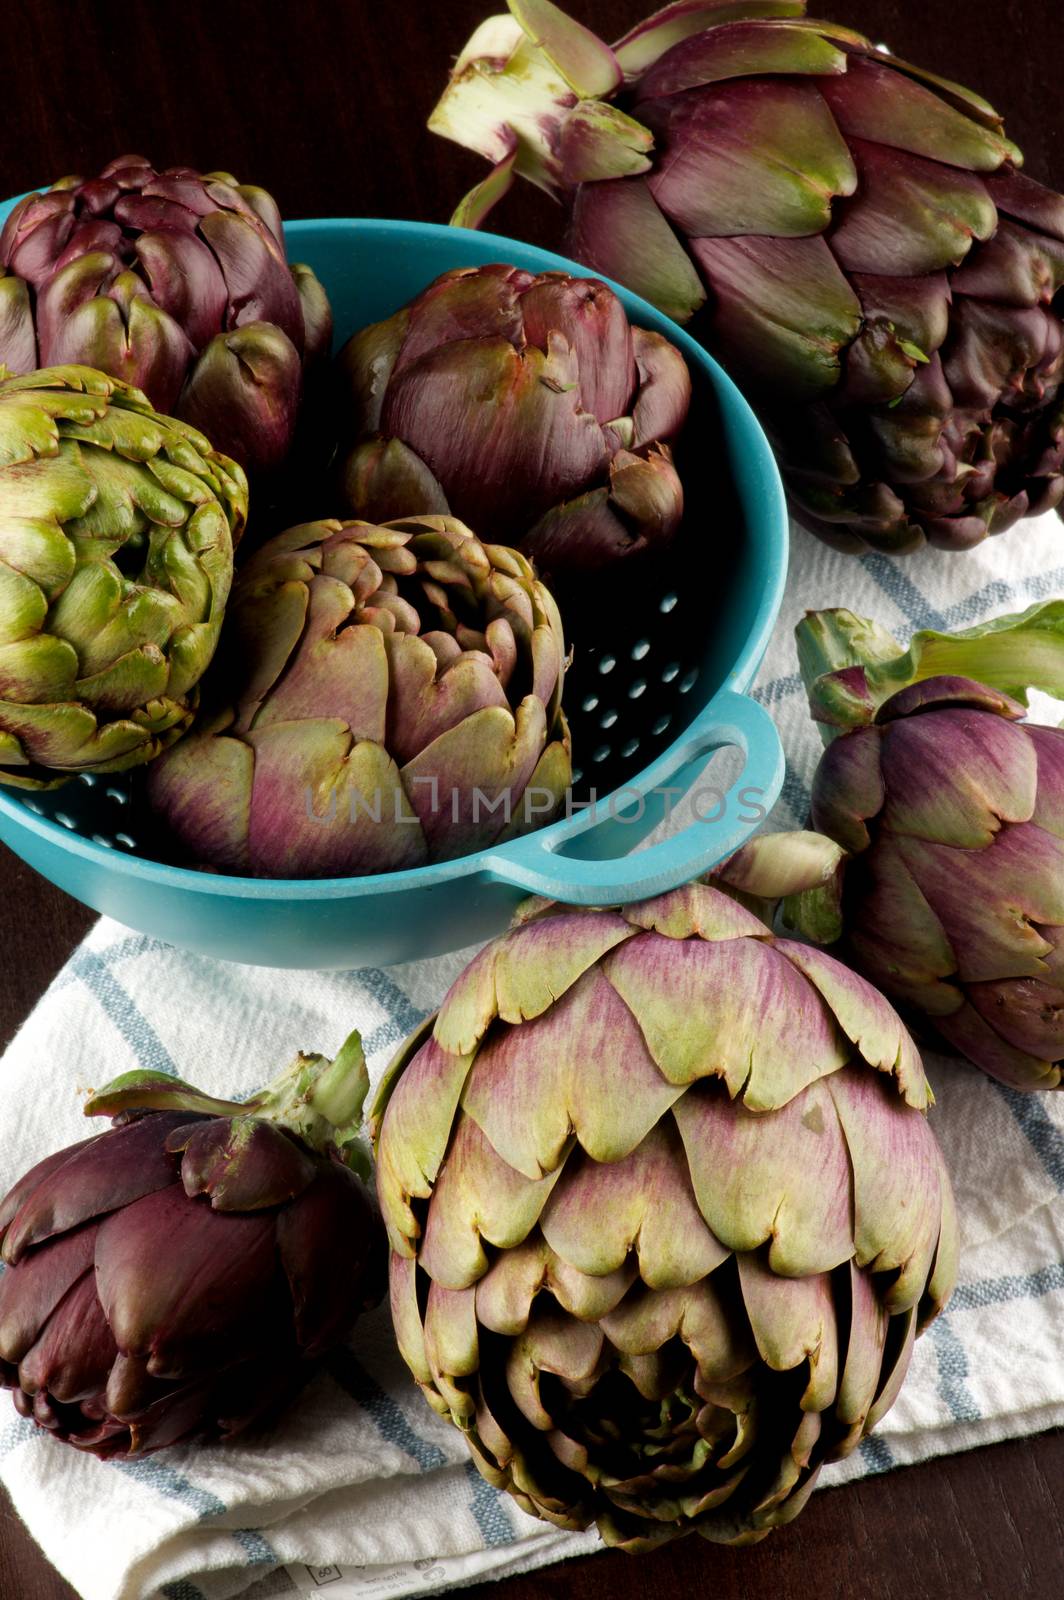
(361, 1490)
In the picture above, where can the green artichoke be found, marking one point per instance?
(117, 529)
(951, 899)
(852, 234)
(395, 699)
(665, 1215)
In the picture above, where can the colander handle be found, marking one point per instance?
(535, 862)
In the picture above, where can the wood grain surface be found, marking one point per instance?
(324, 103)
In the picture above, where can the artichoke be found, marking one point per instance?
(665, 1217)
(526, 405)
(396, 699)
(117, 529)
(179, 1275)
(852, 232)
(175, 282)
(951, 899)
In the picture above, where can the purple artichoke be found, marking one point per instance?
(952, 811)
(851, 231)
(179, 1275)
(665, 1216)
(527, 406)
(396, 699)
(177, 283)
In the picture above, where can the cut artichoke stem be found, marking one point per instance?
(851, 666)
(321, 1101)
(317, 1099)
(505, 95)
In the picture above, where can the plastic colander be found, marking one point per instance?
(651, 696)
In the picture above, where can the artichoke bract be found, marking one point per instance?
(180, 1275)
(665, 1216)
(117, 528)
(527, 405)
(852, 234)
(396, 699)
(176, 282)
(951, 810)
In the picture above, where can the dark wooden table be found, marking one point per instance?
(324, 102)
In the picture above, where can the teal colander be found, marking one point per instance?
(650, 700)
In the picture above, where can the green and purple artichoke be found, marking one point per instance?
(951, 809)
(528, 406)
(665, 1215)
(117, 529)
(393, 698)
(176, 282)
(180, 1275)
(851, 233)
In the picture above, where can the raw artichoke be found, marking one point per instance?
(852, 231)
(665, 1217)
(396, 700)
(526, 405)
(117, 529)
(952, 901)
(179, 1275)
(178, 283)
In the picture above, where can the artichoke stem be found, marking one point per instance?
(321, 1101)
(851, 666)
(830, 641)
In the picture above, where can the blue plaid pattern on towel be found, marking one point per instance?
(363, 1489)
